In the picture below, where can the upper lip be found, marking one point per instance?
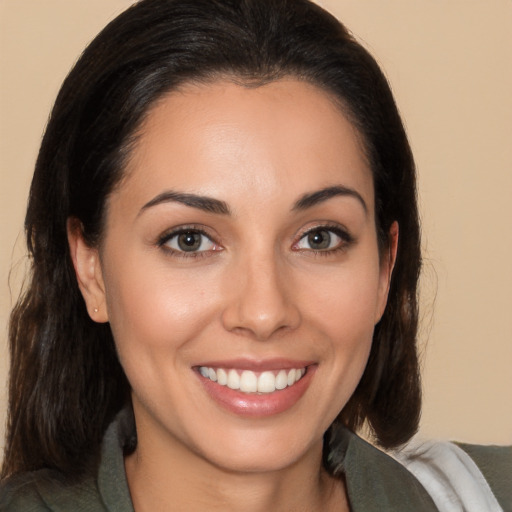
(257, 365)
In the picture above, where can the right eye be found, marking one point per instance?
(324, 240)
(190, 241)
(320, 240)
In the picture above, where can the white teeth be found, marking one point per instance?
(211, 374)
(222, 376)
(248, 382)
(233, 380)
(266, 382)
(281, 380)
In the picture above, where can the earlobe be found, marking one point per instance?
(86, 262)
(387, 266)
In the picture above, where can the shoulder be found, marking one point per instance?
(104, 488)
(473, 477)
(46, 490)
(375, 481)
(20, 493)
(495, 463)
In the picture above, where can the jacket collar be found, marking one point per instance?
(375, 481)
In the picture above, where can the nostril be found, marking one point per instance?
(261, 303)
(260, 324)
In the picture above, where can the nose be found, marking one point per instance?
(261, 303)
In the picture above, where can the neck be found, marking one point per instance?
(164, 476)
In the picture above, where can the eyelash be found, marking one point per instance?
(346, 240)
(164, 239)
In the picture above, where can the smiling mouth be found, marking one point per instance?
(248, 381)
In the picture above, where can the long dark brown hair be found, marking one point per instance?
(66, 383)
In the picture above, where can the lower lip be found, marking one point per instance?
(258, 405)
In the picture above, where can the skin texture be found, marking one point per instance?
(255, 290)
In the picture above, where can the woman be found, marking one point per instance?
(225, 245)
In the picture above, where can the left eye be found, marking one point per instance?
(190, 241)
(320, 240)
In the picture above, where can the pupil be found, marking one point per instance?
(319, 239)
(189, 241)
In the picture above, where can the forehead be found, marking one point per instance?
(284, 135)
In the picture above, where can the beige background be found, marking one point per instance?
(449, 63)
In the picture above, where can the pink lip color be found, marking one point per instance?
(257, 365)
(258, 405)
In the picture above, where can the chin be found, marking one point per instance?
(261, 450)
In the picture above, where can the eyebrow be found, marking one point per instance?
(216, 206)
(314, 198)
(207, 204)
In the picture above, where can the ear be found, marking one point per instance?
(86, 262)
(387, 264)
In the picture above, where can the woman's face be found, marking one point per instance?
(240, 273)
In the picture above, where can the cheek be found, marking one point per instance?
(154, 311)
(156, 319)
(345, 301)
(343, 311)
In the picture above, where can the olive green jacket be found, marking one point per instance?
(375, 481)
